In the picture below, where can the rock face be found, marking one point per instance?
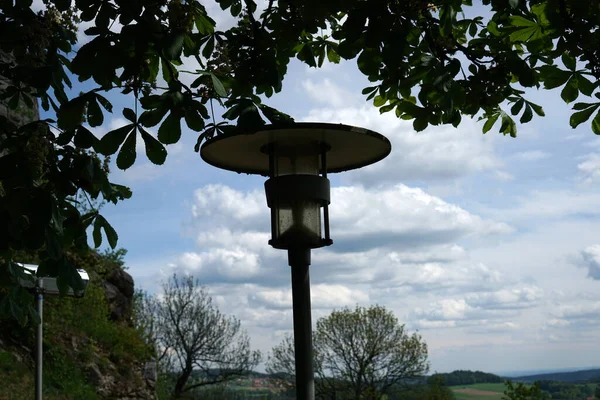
(109, 386)
(119, 289)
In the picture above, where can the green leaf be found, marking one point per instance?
(84, 138)
(127, 154)
(155, 151)
(583, 106)
(473, 29)
(420, 124)
(104, 102)
(62, 5)
(27, 100)
(522, 22)
(553, 77)
(570, 92)
(528, 30)
(129, 114)
(205, 24)
(275, 116)
(516, 108)
(369, 62)
(491, 120)
(306, 54)
(378, 101)
(447, 17)
(13, 103)
(585, 86)
(65, 137)
(169, 131)
(173, 46)
(109, 144)
(582, 116)
(369, 89)
(596, 124)
(537, 109)
(218, 86)
(168, 72)
(332, 55)
(508, 125)
(70, 115)
(94, 113)
(53, 246)
(569, 61)
(109, 231)
(97, 234)
(236, 8)
(209, 47)
(527, 115)
(249, 116)
(513, 3)
(152, 117)
(194, 120)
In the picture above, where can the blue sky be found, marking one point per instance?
(488, 246)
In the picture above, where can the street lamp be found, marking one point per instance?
(296, 158)
(45, 286)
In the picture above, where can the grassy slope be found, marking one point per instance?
(497, 388)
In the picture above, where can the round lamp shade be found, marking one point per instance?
(349, 147)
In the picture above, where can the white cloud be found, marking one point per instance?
(437, 153)
(231, 265)
(400, 217)
(495, 310)
(532, 155)
(580, 311)
(328, 93)
(503, 176)
(221, 200)
(507, 299)
(323, 296)
(549, 204)
(590, 168)
(590, 259)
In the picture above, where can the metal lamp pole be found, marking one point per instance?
(39, 302)
(299, 260)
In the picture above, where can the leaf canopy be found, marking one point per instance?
(431, 62)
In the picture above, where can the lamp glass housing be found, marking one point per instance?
(297, 158)
(296, 204)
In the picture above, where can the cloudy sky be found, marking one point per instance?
(488, 246)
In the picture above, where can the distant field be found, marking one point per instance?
(479, 391)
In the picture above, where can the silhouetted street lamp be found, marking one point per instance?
(41, 286)
(296, 158)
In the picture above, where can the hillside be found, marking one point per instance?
(462, 377)
(582, 376)
(91, 350)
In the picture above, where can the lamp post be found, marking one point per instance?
(296, 158)
(41, 286)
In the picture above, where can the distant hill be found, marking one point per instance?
(582, 376)
(461, 377)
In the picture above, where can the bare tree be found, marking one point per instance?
(197, 344)
(359, 354)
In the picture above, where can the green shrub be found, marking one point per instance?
(16, 379)
(63, 376)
